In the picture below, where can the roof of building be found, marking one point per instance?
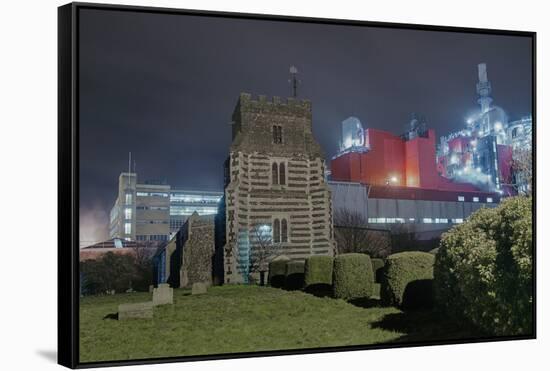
(116, 243)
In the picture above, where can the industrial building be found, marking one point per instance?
(483, 152)
(275, 190)
(153, 211)
(389, 180)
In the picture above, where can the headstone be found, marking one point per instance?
(135, 310)
(151, 287)
(163, 294)
(199, 288)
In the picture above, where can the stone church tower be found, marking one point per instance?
(274, 183)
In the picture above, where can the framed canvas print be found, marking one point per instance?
(237, 185)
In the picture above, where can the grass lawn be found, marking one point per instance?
(232, 319)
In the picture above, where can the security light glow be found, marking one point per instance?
(393, 179)
(498, 126)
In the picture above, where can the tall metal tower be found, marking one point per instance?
(483, 88)
(294, 81)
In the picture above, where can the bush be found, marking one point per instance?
(318, 275)
(377, 269)
(352, 276)
(111, 272)
(294, 275)
(277, 272)
(434, 251)
(483, 270)
(402, 275)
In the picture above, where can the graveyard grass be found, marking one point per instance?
(233, 319)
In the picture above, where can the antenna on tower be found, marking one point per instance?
(129, 162)
(294, 81)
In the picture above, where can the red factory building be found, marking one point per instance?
(401, 167)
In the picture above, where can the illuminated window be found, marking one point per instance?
(489, 199)
(128, 213)
(476, 199)
(458, 220)
(461, 198)
(427, 220)
(128, 198)
(142, 194)
(128, 228)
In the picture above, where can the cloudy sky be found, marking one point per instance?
(164, 87)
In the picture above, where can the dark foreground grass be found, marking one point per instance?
(232, 319)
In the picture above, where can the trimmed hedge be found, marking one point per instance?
(407, 280)
(377, 268)
(294, 275)
(352, 276)
(277, 272)
(318, 275)
(484, 269)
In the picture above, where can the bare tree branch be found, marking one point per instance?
(353, 235)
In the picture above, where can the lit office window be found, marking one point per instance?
(427, 220)
(489, 199)
(128, 228)
(128, 198)
(142, 194)
(476, 199)
(128, 213)
(461, 198)
(458, 220)
(411, 220)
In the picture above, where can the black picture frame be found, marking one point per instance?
(68, 180)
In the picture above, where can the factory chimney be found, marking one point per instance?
(483, 88)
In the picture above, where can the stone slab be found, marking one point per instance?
(142, 310)
(163, 294)
(199, 288)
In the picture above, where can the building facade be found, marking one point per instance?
(427, 213)
(153, 211)
(274, 186)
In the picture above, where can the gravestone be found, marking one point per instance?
(199, 288)
(151, 288)
(163, 294)
(135, 310)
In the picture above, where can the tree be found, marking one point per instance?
(262, 248)
(353, 235)
(143, 261)
(110, 273)
(522, 168)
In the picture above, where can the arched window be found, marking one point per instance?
(284, 231)
(274, 174)
(282, 175)
(276, 231)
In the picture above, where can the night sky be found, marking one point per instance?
(164, 87)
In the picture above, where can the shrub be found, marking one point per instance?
(434, 251)
(377, 269)
(294, 275)
(352, 276)
(401, 277)
(277, 272)
(483, 270)
(318, 275)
